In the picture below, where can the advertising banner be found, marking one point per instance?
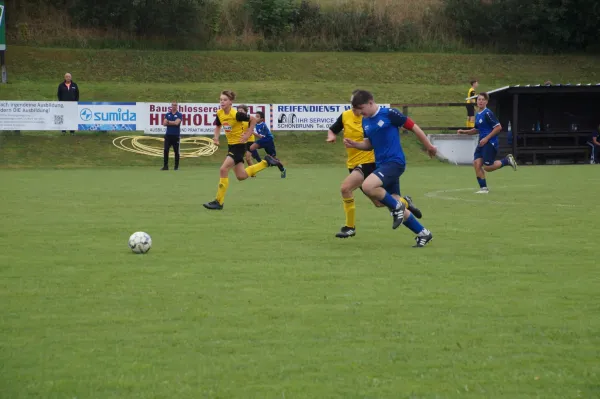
(109, 116)
(197, 118)
(307, 116)
(38, 115)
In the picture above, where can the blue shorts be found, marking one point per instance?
(268, 145)
(390, 173)
(487, 152)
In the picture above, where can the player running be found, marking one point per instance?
(231, 121)
(360, 165)
(488, 127)
(266, 140)
(249, 154)
(381, 128)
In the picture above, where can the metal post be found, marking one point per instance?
(3, 66)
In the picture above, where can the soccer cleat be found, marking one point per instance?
(512, 161)
(283, 173)
(421, 241)
(483, 190)
(272, 161)
(214, 205)
(398, 215)
(165, 168)
(412, 208)
(346, 232)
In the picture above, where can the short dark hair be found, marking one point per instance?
(261, 114)
(484, 95)
(244, 107)
(361, 97)
(473, 81)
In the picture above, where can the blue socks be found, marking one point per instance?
(482, 182)
(504, 162)
(255, 155)
(389, 201)
(413, 224)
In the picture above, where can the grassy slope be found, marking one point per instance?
(112, 75)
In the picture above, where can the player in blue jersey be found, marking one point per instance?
(381, 127)
(488, 128)
(265, 140)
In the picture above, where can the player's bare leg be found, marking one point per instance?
(480, 173)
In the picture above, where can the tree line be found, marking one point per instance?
(541, 26)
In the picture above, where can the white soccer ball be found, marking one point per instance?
(140, 242)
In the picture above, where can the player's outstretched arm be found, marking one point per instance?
(364, 145)
(216, 135)
(430, 148)
(469, 132)
(331, 137)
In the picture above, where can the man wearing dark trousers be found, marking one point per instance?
(173, 123)
(595, 143)
(68, 91)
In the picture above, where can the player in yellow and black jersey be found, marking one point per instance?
(249, 153)
(231, 121)
(471, 104)
(360, 165)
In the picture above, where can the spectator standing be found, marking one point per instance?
(68, 91)
(172, 121)
(595, 144)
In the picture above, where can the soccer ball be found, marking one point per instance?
(140, 242)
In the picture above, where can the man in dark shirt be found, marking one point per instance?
(595, 142)
(172, 121)
(68, 91)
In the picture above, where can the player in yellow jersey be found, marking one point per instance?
(231, 121)
(471, 104)
(360, 165)
(249, 153)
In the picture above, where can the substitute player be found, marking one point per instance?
(381, 127)
(231, 121)
(249, 154)
(488, 128)
(471, 103)
(266, 141)
(360, 165)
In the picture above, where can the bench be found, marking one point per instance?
(578, 152)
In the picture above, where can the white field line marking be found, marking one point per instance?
(441, 194)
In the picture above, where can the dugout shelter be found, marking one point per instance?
(550, 123)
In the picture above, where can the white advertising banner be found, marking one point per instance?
(197, 118)
(307, 116)
(38, 115)
(109, 116)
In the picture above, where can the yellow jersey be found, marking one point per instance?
(245, 127)
(471, 93)
(234, 129)
(352, 125)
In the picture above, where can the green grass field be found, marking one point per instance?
(261, 301)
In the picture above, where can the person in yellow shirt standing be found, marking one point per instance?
(232, 122)
(471, 104)
(360, 165)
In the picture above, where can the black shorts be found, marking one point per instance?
(237, 152)
(470, 110)
(248, 144)
(365, 168)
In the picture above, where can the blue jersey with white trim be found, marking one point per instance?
(485, 122)
(383, 131)
(263, 130)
